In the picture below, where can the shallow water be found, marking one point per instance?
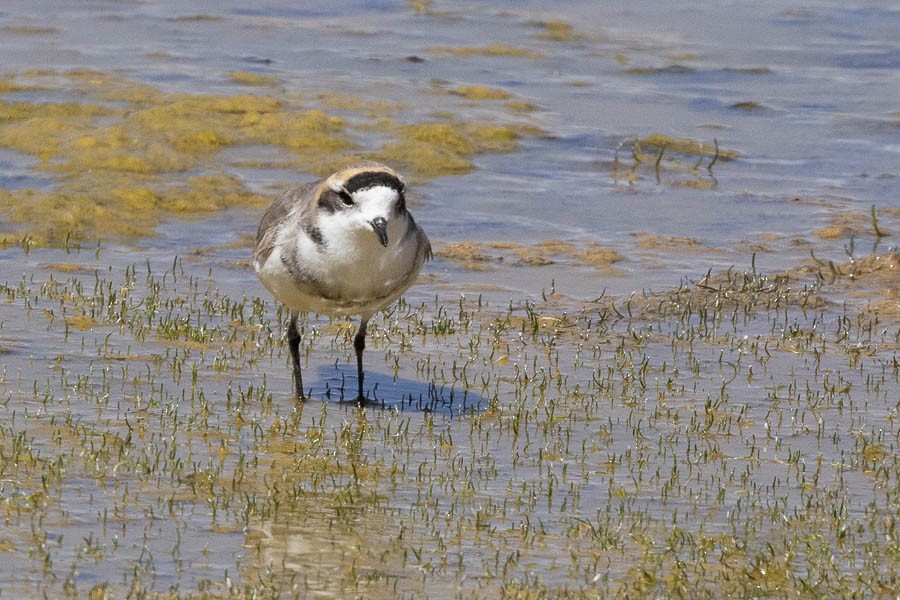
(822, 128)
(538, 427)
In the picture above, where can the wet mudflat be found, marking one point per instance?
(656, 353)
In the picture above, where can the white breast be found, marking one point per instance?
(353, 271)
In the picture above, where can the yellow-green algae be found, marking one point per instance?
(874, 280)
(249, 78)
(7, 85)
(676, 161)
(481, 92)
(371, 107)
(436, 149)
(556, 31)
(420, 6)
(653, 241)
(476, 256)
(121, 150)
(29, 30)
(845, 224)
(490, 50)
(197, 18)
(686, 146)
(121, 208)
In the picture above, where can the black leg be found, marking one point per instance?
(359, 343)
(293, 337)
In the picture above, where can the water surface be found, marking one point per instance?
(539, 426)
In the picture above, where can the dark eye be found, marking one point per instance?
(346, 198)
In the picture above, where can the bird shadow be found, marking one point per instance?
(337, 383)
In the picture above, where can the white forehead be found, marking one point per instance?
(378, 195)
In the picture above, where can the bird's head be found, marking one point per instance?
(366, 196)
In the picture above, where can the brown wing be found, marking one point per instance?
(423, 252)
(423, 243)
(301, 198)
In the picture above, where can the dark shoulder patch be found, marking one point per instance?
(315, 234)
